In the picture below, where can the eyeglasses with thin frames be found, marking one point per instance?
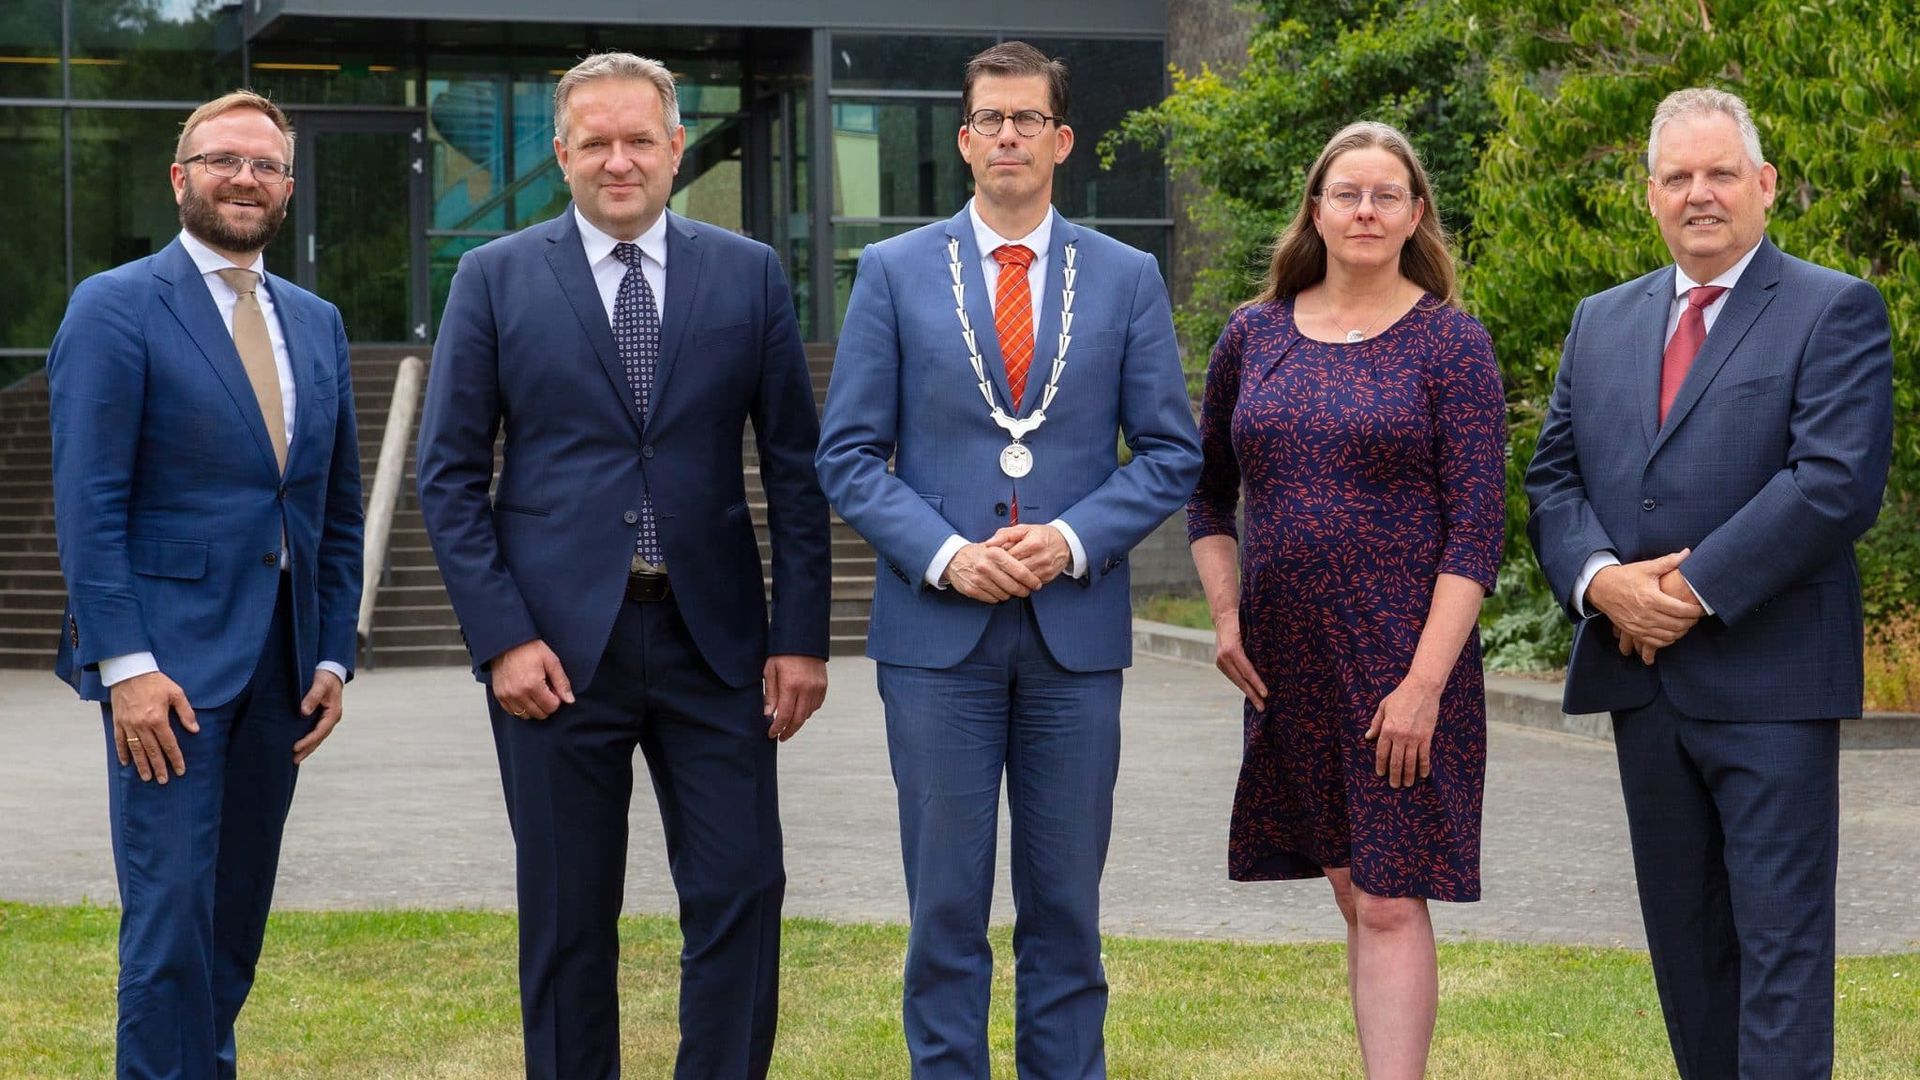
(1388, 201)
(1028, 122)
(227, 166)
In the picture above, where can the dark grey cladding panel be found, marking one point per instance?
(1011, 17)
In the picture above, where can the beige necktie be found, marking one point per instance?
(255, 345)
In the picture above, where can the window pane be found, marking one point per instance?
(124, 205)
(490, 131)
(896, 158)
(30, 48)
(708, 184)
(1108, 80)
(902, 61)
(33, 279)
(848, 242)
(443, 259)
(304, 77)
(155, 50)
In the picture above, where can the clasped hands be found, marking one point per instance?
(1648, 602)
(1016, 561)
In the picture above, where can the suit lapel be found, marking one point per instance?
(1650, 348)
(979, 310)
(568, 259)
(1048, 333)
(185, 293)
(686, 263)
(1750, 296)
(303, 353)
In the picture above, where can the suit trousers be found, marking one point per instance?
(195, 860)
(569, 785)
(1009, 709)
(1735, 832)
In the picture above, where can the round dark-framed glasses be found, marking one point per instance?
(1028, 122)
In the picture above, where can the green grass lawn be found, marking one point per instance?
(428, 994)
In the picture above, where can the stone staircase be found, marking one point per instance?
(32, 593)
(413, 623)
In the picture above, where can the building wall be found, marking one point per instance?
(1211, 33)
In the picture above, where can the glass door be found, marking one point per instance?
(359, 238)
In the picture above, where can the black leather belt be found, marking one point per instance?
(647, 588)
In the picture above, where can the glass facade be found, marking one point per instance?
(419, 141)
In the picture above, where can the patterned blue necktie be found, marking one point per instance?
(636, 331)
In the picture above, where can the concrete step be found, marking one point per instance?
(41, 635)
(387, 655)
(44, 598)
(27, 658)
(44, 577)
(28, 543)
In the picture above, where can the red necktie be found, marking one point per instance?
(1013, 317)
(1685, 343)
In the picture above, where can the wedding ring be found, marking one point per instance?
(133, 740)
(519, 715)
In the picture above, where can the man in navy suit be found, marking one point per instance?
(207, 495)
(610, 590)
(1718, 437)
(997, 359)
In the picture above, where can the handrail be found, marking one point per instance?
(385, 495)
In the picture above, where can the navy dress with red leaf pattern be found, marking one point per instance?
(1369, 469)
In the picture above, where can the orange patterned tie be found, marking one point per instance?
(1013, 317)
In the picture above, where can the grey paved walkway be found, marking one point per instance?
(402, 808)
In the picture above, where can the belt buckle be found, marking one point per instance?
(639, 565)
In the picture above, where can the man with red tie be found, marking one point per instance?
(1719, 435)
(997, 358)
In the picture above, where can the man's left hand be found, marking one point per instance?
(795, 687)
(325, 699)
(1040, 548)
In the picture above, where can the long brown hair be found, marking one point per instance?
(1300, 256)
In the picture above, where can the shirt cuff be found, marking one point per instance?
(1079, 567)
(118, 669)
(339, 671)
(1596, 562)
(1708, 608)
(938, 567)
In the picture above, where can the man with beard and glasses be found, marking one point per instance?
(207, 496)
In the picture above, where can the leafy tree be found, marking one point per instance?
(1312, 67)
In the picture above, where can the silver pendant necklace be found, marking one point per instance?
(1016, 458)
(1355, 336)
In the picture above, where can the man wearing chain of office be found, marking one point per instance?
(998, 358)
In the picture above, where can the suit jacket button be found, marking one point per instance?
(1000, 509)
(271, 558)
(630, 517)
(647, 451)
(1647, 504)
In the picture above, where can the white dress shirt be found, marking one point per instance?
(1037, 242)
(607, 270)
(210, 262)
(1682, 285)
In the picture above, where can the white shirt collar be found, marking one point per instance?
(653, 242)
(1728, 277)
(1035, 241)
(207, 260)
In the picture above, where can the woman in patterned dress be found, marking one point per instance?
(1361, 412)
